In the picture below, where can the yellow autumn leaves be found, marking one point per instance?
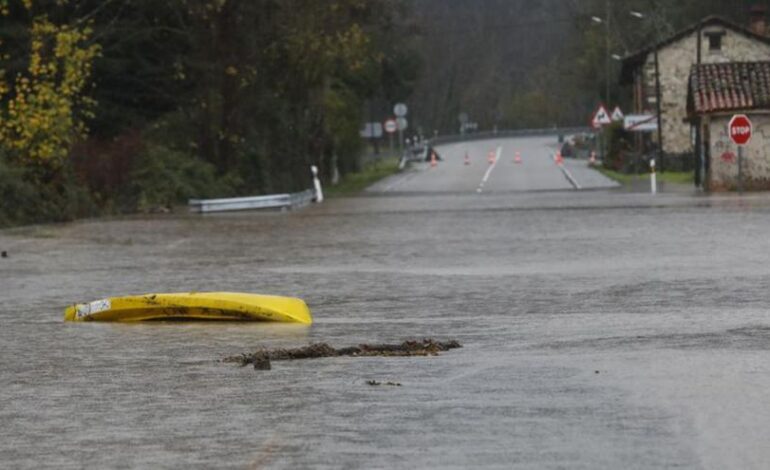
(42, 109)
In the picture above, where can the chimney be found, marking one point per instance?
(757, 22)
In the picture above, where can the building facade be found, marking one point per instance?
(716, 93)
(712, 40)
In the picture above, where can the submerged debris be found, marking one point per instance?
(261, 358)
(374, 383)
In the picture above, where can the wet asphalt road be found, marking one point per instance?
(601, 329)
(496, 166)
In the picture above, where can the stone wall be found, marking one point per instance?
(723, 171)
(675, 61)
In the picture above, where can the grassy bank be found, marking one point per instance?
(670, 177)
(354, 183)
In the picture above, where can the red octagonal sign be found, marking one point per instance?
(740, 129)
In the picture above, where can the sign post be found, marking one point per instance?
(400, 111)
(390, 127)
(600, 119)
(740, 129)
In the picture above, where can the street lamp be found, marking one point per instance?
(641, 16)
(606, 23)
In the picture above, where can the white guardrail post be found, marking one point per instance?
(319, 194)
(653, 179)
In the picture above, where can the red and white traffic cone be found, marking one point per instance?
(467, 159)
(491, 157)
(559, 159)
(433, 161)
(592, 160)
(517, 158)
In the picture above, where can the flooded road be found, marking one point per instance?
(600, 329)
(496, 166)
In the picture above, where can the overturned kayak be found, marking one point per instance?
(192, 306)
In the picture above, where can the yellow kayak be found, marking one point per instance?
(192, 305)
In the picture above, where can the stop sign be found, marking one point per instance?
(740, 129)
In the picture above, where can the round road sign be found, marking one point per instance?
(740, 129)
(391, 126)
(400, 109)
(402, 123)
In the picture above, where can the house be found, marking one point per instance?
(717, 92)
(712, 40)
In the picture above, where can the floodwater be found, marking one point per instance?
(601, 330)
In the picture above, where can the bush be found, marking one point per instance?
(163, 177)
(618, 146)
(26, 199)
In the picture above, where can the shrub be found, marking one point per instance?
(26, 199)
(163, 177)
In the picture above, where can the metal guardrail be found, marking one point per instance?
(449, 139)
(302, 199)
(271, 201)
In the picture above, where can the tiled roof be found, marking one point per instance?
(728, 87)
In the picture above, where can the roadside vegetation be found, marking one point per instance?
(670, 177)
(353, 183)
(108, 106)
(111, 106)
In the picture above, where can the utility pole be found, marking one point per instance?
(607, 44)
(698, 137)
(657, 105)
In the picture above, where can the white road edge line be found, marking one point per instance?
(489, 170)
(570, 178)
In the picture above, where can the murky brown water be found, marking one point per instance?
(600, 330)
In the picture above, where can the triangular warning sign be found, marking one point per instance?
(601, 118)
(617, 114)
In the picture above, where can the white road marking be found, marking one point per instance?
(489, 170)
(569, 176)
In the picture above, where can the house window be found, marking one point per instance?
(715, 41)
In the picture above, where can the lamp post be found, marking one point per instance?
(607, 66)
(606, 23)
(661, 159)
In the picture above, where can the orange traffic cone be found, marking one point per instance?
(517, 158)
(467, 159)
(559, 159)
(433, 161)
